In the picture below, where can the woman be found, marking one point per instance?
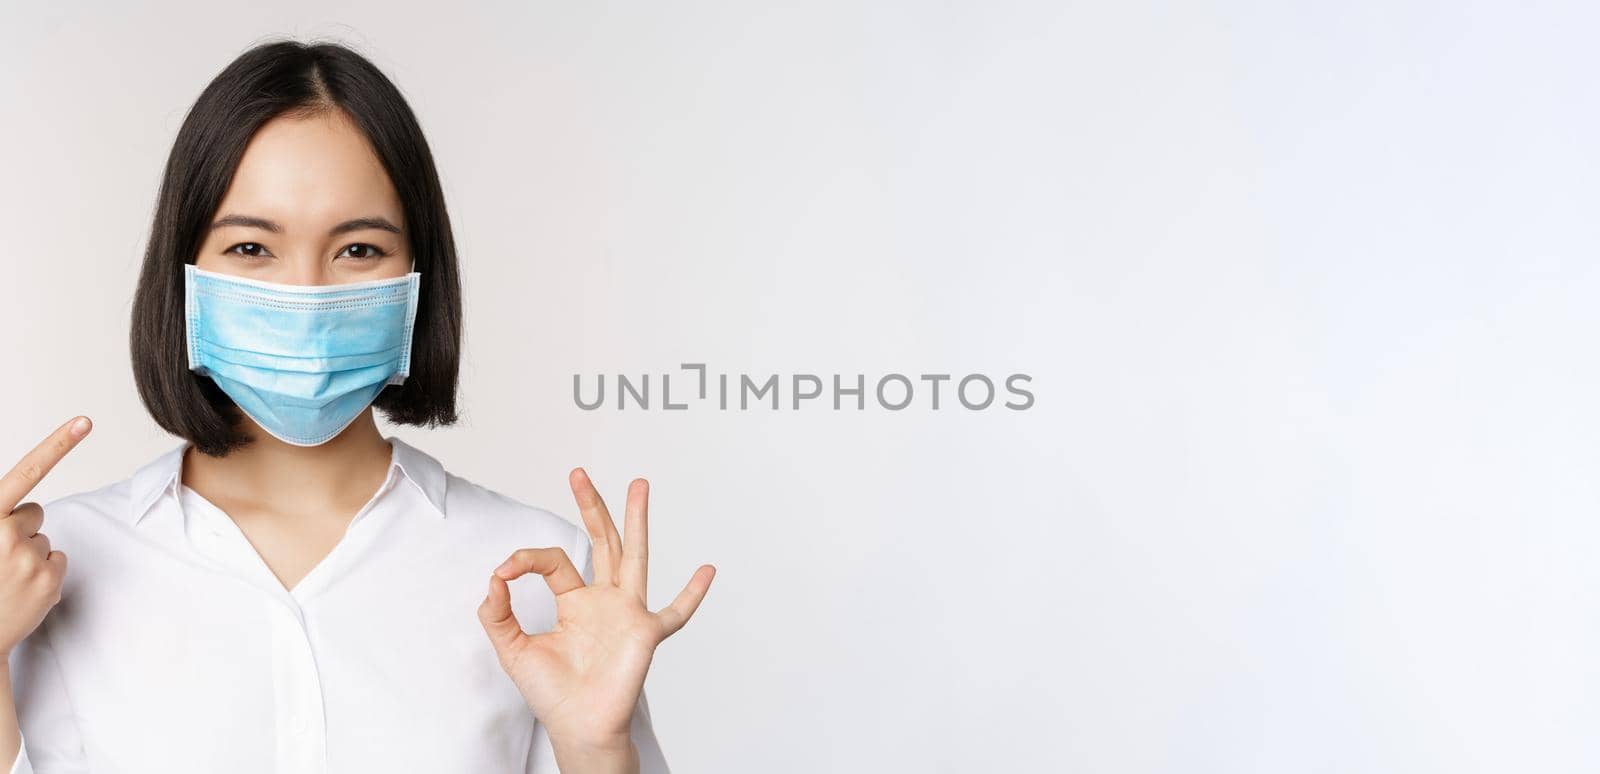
(288, 590)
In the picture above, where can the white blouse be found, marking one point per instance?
(175, 649)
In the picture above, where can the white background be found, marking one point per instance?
(1307, 290)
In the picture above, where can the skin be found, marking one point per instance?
(306, 176)
(30, 571)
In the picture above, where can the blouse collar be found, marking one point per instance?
(160, 476)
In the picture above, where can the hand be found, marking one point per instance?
(30, 572)
(582, 678)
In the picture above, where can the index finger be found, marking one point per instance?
(32, 468)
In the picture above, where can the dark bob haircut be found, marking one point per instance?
(290, 78)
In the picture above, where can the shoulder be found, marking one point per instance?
(109, 510)
(96, 521)
(479, 509)
(111, 501)
(481, 515)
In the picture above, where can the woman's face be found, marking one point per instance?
(310, 204)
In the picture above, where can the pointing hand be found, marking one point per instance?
(30, 572)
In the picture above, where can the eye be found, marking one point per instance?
(260, 252)
(364, 251)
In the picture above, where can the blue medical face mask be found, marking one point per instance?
(302, 360)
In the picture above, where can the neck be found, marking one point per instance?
(268, 471)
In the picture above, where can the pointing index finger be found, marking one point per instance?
(36, 464)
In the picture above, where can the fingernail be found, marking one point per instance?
(80, 427)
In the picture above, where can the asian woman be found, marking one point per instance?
(287, 589)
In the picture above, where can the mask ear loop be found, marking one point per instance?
(189, 313)
(414, 291)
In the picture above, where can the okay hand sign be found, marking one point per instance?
(582, 678)
(30, 572)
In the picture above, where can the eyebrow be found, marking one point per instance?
(354, 224)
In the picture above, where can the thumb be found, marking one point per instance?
(499, 622)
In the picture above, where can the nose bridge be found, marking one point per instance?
(304, 266)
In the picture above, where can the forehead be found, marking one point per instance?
(310, 172)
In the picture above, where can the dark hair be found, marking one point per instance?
(272, 79)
